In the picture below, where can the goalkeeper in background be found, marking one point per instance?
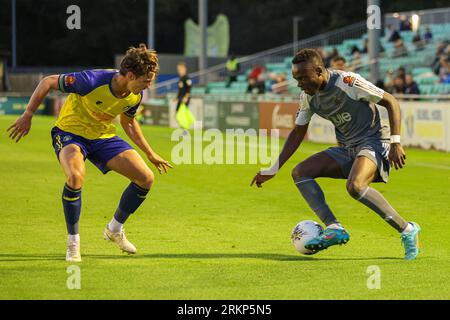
(183, 114)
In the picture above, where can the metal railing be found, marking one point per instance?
(279, 54)
(274, 55)
(429, 16)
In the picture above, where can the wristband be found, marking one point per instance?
(395, 138)
(272, 171)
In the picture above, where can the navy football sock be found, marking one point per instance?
(71, 199)
(315, 198)
(131, 199)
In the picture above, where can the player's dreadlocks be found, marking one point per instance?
(139, 61)
(308, 55)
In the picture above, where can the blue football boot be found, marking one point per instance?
(330, 237)
(410, 241)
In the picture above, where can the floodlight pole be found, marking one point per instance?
(13, 34)
(151, 24)
(295, 21)
(374, 46)
(203, 23)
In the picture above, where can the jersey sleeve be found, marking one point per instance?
(77, 82)
(304, 113)
(359, 88)
(132, 111)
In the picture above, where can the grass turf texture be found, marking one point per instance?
(203, 233)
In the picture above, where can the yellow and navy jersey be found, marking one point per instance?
(91, 105)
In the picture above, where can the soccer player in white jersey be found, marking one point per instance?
(365, 150)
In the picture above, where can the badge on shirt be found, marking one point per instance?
(69, 80)
(349, 80)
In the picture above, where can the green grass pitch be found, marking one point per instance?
(203, 233)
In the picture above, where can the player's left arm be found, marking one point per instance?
(133, 130)
(397, 156)
(361, 89)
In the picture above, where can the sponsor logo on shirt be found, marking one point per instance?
(341, 118)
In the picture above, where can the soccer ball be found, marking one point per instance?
(303, 232)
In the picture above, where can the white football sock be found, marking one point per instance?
(115, 226)
(73, 238)
(408, 228)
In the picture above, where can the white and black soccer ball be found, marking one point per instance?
(303, 232)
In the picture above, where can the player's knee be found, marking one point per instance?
(355, 188)
(75, 179)
(146, 179)
(302, 171)
(295, 173)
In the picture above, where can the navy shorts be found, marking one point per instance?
(377, 151)
(98, 151)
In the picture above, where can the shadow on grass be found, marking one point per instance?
(11, 257)
(194, 256)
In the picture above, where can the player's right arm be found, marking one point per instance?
(22, 125)
(292, 143)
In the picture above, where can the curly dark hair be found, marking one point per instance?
(308, 55)
(140, 61)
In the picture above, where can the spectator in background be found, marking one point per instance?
(365, 49)
(282, 85)
(399, 86)
(255, 87)
(405, 24)
(273, 80)
(233, 68)
(356, 62)
(256, 71)
(411, 86)
(428, 36)
(256, 80)
(446, 77)
(401, 72)
(338, 63)
(418, 42)
(444, 62)
(440, 47)
(389, 81)
(330, 57)
(400, 49)
(393, 34)
(355, 49)
(261, 82)
(380, 84)
(321, 51)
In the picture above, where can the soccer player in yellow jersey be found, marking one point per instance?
(84, 129)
